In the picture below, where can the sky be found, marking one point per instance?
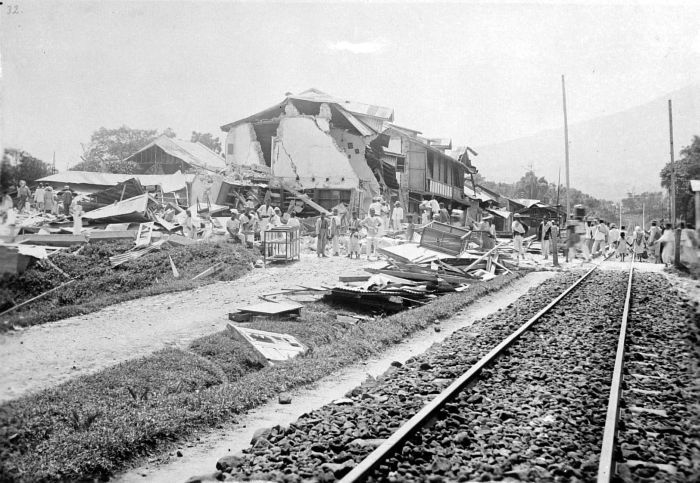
(477, 72)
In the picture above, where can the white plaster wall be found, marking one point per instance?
(357, 160)
(301, 149)
(246, 148)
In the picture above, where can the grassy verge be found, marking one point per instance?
(95, 425)
(98, 285)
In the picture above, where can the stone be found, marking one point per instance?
(261, 433)
(216, 476)
(284, 398)
(396, 364)
(425, 366)
(179, 454)
(230, 462)
(343, 401)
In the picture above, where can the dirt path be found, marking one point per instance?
(200, 454)
(49, 354)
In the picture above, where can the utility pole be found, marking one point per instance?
(673, 167)
(677, 241)
(566, 145)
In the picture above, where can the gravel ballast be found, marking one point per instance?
(536, 415)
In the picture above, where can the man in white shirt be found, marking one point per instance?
(434, 206)
(600, 233)
(397, 216)
(518, 232)
(613, 237)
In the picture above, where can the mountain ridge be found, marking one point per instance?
(610, 155)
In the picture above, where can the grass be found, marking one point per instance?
(98, 285)
(96, 425)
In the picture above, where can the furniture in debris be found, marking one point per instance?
(445, 238)
(281, 243)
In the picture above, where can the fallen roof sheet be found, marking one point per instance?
(500, 213)
(168, 182)
(131, 210)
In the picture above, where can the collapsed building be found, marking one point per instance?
(337, 151)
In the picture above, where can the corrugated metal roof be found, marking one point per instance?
(316, 95)
(169, 182)
(194, 154)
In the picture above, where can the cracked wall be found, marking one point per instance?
(302, 153)
(243, 143)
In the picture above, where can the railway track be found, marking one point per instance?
(370, 468)
(526, 401)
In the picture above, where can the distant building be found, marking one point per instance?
(167, 155)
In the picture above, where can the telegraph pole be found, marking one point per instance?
(673, 167)
(566, 145)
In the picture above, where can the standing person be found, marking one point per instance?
(354, 237)
(598, 238)
(489, 235)
(554, 242)
(39, 198)
(434, 207)
(572, 241)
(336, 221)
(376, 205)
(48, 200)
(23, 196)
(587, 239)
(397, 216)
(639, 244)
(373, 225)
(689, 245)
(410, 228)
(654, 235)
(322, 228)
(265, 212)
(545, 237)
(623, 245)
(444, 215)
(385, 210)
(667, 243)
(614, 238)
(66, 199)
(77, 219)
(518, 232)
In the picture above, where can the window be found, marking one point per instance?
(349, 145)
(229, 148)
(400, 165)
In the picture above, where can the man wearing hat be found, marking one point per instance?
(66, 199)
(376, 205)
(233, 227)
(489, 235)
(396, 216)
(518, 232)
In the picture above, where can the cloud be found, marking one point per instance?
(371, 47)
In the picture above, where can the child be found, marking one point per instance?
(354, 237)
(623, 244)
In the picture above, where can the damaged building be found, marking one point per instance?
(312, 143)
(337, 151)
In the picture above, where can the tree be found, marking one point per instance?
(26, 167)
(108, 149)
(687, 168)
(533, 188)
(208, 140)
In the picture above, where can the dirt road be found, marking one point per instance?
(49, 354)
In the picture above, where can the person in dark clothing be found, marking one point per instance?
(66, 199)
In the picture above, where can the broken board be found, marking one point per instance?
(272, 308)
(273, 346)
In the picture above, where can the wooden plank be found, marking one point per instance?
(348, 278)
(306, 200)
(271, 308)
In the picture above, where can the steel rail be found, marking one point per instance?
(606, 465)
(388, 447)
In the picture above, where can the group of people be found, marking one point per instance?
(44, 199)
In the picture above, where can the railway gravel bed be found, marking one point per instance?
(537, 415)
(659, 432)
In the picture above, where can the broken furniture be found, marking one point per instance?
(281, 243)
